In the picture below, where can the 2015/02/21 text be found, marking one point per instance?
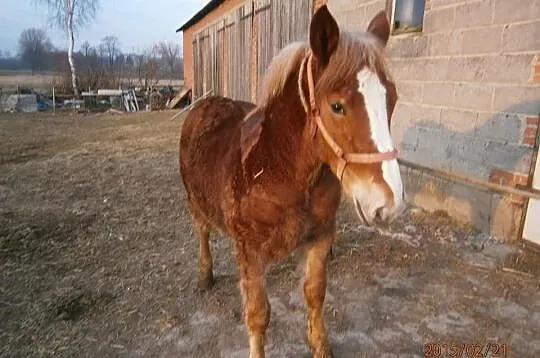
(455, 350)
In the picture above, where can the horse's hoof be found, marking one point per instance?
(206, 282)
(326, 354)
(323, 352)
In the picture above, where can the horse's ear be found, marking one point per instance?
(380, 27)
(250, 132)
(323, 35)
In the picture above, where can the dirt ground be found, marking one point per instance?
(98, 259)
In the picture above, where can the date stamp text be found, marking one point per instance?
(465, 350)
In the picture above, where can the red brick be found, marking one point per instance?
(501, 177)
(529, 135)
(509, 178)
(529, 141)
(518, 199)
(521, 179)
(533, 121)
(530, 131)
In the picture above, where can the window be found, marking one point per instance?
(407, 15)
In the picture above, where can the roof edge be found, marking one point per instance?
(200, 14)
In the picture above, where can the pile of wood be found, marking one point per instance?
(181, 100)
(157, 101)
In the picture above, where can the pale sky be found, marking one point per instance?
(136, 23)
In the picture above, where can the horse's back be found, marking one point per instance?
(214, 114)
(210, 153)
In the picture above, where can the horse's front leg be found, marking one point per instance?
(256, 305)
(314, 292)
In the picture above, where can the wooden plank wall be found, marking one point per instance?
(247, 38)
(240, 38)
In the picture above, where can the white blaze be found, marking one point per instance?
(374, 94)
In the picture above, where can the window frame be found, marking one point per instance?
(391, 9)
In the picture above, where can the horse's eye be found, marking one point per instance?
(337, 108)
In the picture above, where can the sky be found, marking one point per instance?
(136, 23)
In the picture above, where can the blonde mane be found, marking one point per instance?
(281, 68)
(355, 50)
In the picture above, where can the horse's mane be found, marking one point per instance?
(355, 50)
(281, 68)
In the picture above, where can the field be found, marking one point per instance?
(10, 79)
(44, 81)
(98, 259)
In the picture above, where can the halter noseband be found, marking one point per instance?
(343, 158)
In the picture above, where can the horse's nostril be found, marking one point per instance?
(379, 215)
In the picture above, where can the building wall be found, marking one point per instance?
(469, 87)
(187, 36)
(233, 51)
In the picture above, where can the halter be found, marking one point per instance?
(343, 158)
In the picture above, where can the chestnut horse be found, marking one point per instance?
(270, 175)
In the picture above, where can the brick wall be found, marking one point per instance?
(469, 87)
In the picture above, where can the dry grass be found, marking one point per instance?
(91, 218)
(98, 258)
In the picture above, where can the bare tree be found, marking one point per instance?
(146, 69)
(170, 55)
(34, 45)
(72, 15)
(110, 47)
(85, 48)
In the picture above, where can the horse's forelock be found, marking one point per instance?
(354, 52)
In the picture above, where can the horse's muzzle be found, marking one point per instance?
(378, 216)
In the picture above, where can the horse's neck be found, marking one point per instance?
(288, 128)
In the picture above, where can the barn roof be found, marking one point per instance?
(212, 4)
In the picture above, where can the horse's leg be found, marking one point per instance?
(256, 306)
(314, 293)
(206, 277)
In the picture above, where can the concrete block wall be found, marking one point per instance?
(469, 87)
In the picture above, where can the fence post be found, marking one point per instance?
(53, 100)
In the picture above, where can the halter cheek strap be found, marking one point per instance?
(343, 158)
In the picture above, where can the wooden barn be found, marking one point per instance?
(468, 76)
(228, 44)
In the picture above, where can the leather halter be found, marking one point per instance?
(343, 158)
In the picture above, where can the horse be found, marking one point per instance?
(270, 175)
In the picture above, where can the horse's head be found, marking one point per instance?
(352, 99)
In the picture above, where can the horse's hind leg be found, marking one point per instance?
(314, 293)
(206, 277)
